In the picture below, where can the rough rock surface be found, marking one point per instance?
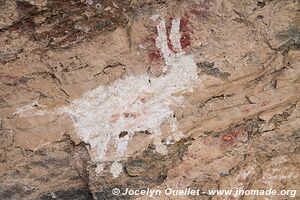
(236, 125)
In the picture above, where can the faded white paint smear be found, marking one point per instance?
(30, 110)
(134, 104)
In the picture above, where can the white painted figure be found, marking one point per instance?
(134, 104)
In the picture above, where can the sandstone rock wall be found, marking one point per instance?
(97, 95)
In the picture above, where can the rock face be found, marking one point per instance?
(157, 94)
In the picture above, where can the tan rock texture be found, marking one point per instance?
(240, 124)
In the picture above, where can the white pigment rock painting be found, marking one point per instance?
(135, 103)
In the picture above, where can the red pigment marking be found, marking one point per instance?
(185, 40)
(155, 55)
(231, 136)
(184, 24)
(149, 42)
(170, 45)
(168, 29)
(228, 138)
